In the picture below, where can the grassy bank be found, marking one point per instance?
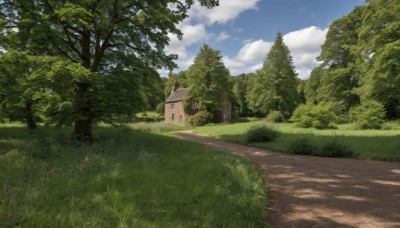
(366, 144)
(126, 178)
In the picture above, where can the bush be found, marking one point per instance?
(261, 133)
(275, 117)
(319, 116)
(368, 115)
(200, 119)
(303, 146)
(335, 149)
(160, 109)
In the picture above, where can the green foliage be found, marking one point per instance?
(201, 118)
(261, 133)
(38, 88)
(123, 179)
(368, 115)
(302, 146)
(209, 83)
(274, 88)
(109, 56)
(240, 89)
(319, 116)
(335, 148)
(181, 78)
(360, 59)
(275, 117)
(160, 109)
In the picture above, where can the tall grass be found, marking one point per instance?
(157, 127)
(125, 179)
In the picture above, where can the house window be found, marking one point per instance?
(195, 105)
(180, 118)
(173, 117)
(172, 106)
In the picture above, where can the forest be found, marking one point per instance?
(357, 81)
(73, 64)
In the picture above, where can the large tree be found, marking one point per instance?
(337, 76)
(105, 37)
(208, 81)
(379, 48)
(274, 87)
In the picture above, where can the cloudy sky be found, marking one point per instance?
(244, 30)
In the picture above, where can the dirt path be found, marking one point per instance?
(309, 191)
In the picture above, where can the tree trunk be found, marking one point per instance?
(82, 108)
(30, 122)
(82, 111)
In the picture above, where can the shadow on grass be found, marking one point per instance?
(125, 178)
(324, 192)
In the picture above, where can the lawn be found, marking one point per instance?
(127, 178)
(366, 144)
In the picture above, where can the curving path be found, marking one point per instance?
(309, 191)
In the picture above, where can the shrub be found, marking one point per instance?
(303, 146)
(319, 116)
(368, 115)
(261, 133)
(160, 109)
(200, 119)
(275, 117)
(335, 149)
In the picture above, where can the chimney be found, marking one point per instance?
(176, 85)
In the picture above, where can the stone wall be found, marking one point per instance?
(174, 113)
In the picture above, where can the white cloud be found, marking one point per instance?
(227, 11)
(223, 36)
(254, 52)
(191, 34)
(307, 39)
(303, 72)
(255, 67)
(233, 64)
(194, 29)
(305, 47)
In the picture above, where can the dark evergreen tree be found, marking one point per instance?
(274, 87)
(208, 81)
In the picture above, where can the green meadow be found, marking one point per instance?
(366, 144)
(129, 177)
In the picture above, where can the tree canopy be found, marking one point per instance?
(360, 60)
(208, 81)
(107, 38)
(274, 87)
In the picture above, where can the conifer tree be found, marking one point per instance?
(274, 87)
(208, 81)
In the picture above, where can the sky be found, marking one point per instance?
(244, 31)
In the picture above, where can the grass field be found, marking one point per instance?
(366, 144)
(127, 178)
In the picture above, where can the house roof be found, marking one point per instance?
(178, 95)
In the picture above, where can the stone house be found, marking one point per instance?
(175, 113)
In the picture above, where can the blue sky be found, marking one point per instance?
(244, 30)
